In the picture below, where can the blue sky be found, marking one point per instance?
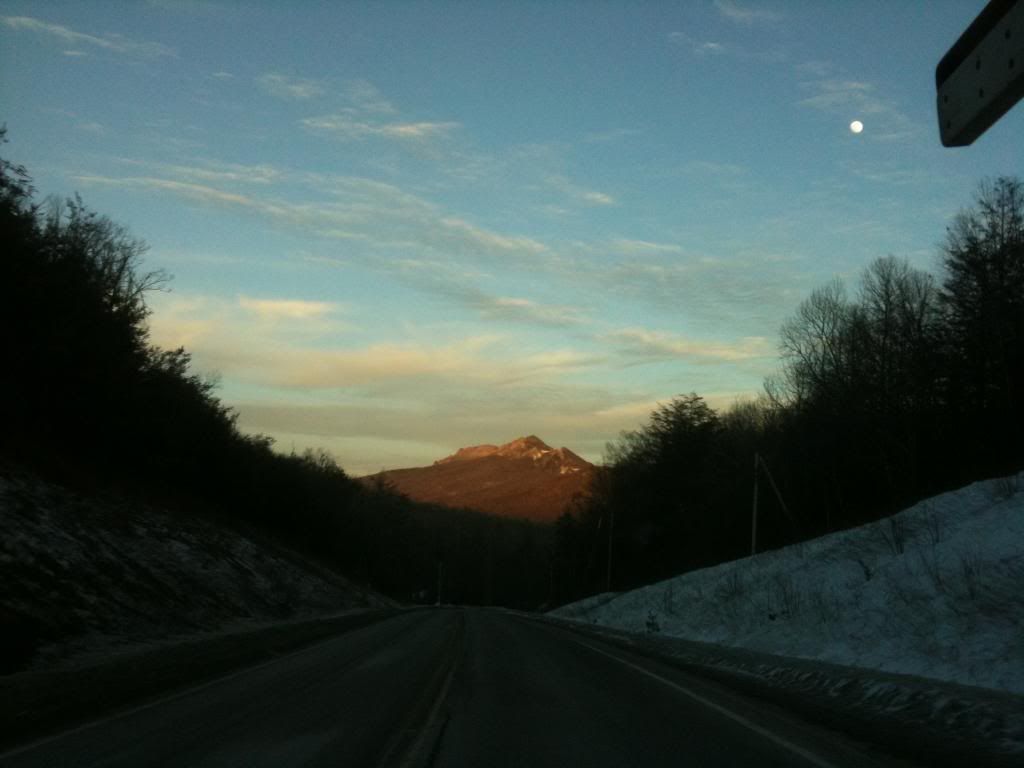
(396, 229)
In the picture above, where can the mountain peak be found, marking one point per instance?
(525, 478)
(530, 446)
(469, 453)
(525, 446)
(531, 440)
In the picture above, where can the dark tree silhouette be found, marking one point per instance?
(983, 298)
(87, 400)
(895, 391)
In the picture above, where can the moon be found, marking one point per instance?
(856, 126)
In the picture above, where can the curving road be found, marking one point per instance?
(449, 687)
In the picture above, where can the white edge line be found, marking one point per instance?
(795, 748)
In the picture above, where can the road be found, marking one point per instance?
(449, 687)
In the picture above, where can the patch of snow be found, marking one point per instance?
(85, 575)
(934, 591)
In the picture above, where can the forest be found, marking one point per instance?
(89, 402)
(901, 386)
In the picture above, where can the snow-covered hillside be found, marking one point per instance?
(936, 590)
(84, 575)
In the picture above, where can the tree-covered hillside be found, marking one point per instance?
(89, 401)
(904, 386)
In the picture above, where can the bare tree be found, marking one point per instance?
(983, 295)
(812, 344)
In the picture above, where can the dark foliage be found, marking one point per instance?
(983, 302)
(911, 387)
(86, 399)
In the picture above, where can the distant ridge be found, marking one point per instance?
(524, 478)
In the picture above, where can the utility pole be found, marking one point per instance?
(753, 517)
(608, 573)
(778, 495)
(759, 463)
(489, 581)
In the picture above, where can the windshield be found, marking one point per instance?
(671, 329)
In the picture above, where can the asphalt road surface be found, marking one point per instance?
(450, 687)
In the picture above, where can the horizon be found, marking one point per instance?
(396, 231)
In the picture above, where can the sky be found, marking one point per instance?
(396, 228)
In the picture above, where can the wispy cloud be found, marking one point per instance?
(349, 208)
(93, 127)
(368, 114)
(458, 231)
(348, 128)
(377, 363)
(893, 172)
(641, 410)
(214, 171)
(711, 168)
(636, 411)
(829, 94)
(221, 336)
(390, 227)
(224, 332)
(505, 308)
(643, 247)
(612, 134)
(691, 284)
(221, 332)
(597, 198)
(462, 289)
(883, 119)
(287, 87)
(188, 6)
(477, 385)
(645, 345)
(578, 193)
(291, 309)
(195, 192)
(743, 14)
(814, 68)
(707, 48)
(365, 97)
(697, 46)
(110, 42)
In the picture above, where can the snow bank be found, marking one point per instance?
(86, 576)
(934, 591)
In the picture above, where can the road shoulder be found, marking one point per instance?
(929, 722)
(34, 704)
